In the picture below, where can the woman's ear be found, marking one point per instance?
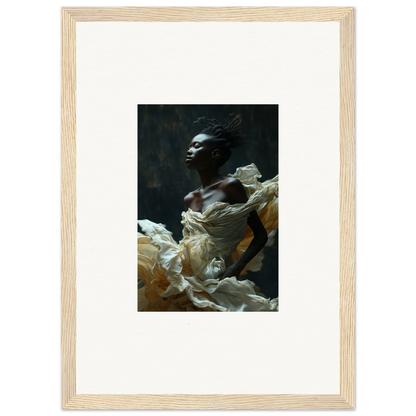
(216, 153)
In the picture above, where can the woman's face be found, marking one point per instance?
(200, 154)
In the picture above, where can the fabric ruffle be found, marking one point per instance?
(185, 276)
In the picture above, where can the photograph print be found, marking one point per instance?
(208, 208)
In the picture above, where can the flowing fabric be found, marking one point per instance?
(185, 276)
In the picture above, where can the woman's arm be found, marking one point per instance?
(235, 190)
(257, 243)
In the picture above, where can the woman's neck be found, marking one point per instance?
(209, 177)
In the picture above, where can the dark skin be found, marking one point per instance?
(204, 157)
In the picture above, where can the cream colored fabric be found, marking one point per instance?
(184, 276)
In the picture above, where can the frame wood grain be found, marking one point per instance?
(346, 398)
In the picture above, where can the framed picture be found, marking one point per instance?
(178, 125)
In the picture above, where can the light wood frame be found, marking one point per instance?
(346, 398)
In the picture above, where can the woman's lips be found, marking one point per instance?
(188, 159)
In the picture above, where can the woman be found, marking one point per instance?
(227, 222)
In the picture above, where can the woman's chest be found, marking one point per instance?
(202, 200)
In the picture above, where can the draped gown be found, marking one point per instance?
(184, 276)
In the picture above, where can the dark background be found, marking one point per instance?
(164, 134)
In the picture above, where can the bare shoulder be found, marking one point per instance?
(187, 200)
(234, 190)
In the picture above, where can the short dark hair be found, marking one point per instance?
(225, 136)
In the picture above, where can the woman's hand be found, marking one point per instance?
(233, 270)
